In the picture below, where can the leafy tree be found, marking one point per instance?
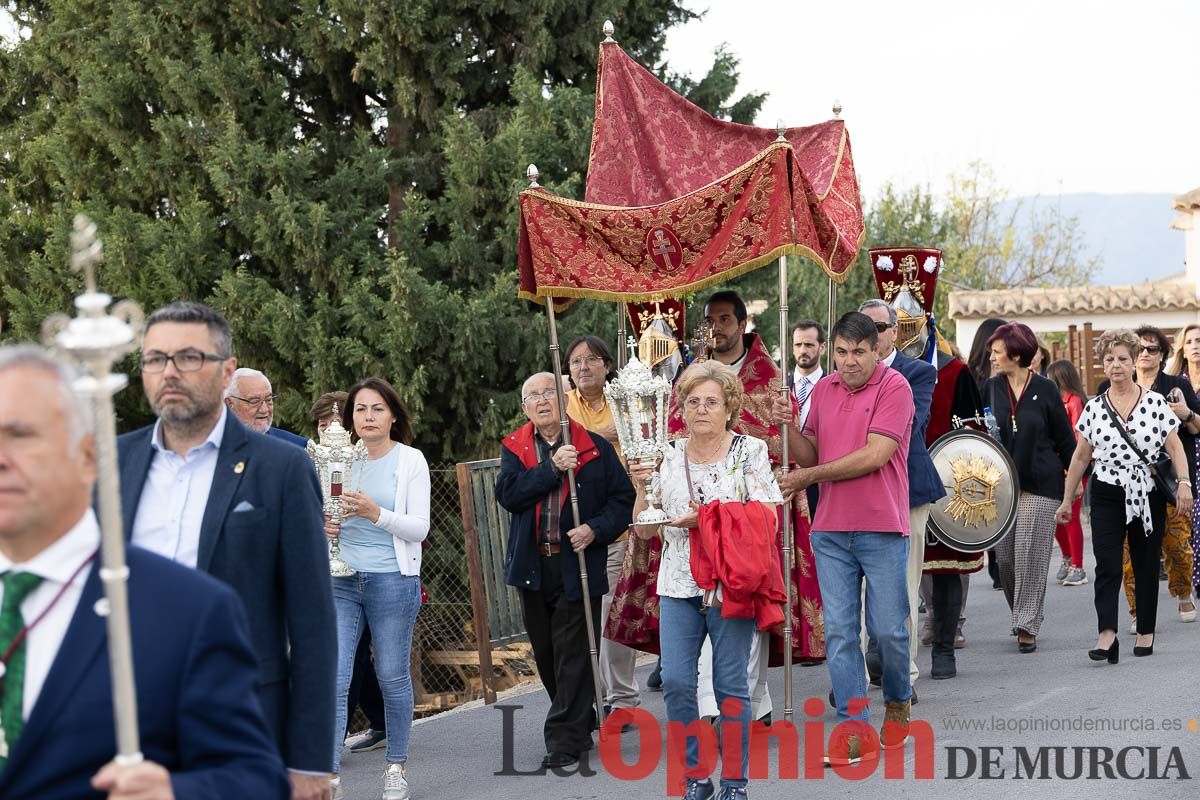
(1001, 244)
(339, 178)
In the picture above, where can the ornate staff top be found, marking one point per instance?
(94, 339)
(608, 32)
(531, 172)
(837, 109)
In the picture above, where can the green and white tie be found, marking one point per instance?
(17, 586)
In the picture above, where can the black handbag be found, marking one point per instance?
(1162, 469)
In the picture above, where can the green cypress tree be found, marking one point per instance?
(339, 178)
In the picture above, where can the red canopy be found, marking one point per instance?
(649, 144)
(677, 200)
(736, 224)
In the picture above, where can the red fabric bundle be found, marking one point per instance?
(735, 545)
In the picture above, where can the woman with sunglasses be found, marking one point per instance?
(1177, 553)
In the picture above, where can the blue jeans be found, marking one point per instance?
(843, 560)
(681, 632)
(388, 602)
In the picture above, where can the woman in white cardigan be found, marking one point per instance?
(387, 520)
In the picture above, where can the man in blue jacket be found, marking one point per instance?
(201, 729)
(199, 488)
(924, 485)
(251, 399)
(542, 545)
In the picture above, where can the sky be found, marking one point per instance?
(1058, 96)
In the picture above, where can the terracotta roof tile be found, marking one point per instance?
(1006, 303)
(1186, 202)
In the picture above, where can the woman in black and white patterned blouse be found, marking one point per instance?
(1125, 505)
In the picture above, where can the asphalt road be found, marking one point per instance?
(1039, 711)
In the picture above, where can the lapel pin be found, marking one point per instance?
(239, 468)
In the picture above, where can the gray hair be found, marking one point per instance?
(188, 312)
(532, 378)
(79, 412)
(877, 303)
(244, 372)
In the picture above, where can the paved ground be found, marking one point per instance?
(1054, 698)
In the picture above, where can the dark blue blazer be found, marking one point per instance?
(198, 715)
(287, 436)
(606, 498)
(924, 484)
(275, 557)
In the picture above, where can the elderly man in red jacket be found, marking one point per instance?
(542, 543)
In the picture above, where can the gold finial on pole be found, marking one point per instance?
(837, 109)
(780, 131)
(531, 172)
(608, 32)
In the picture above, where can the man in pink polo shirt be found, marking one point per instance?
(855, 445)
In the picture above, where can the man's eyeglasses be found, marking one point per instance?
(579, 361)
(255, 402)
(711, 403)
(184, 361)
(533, 397)
(882, 327)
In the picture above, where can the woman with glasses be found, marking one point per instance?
(709, 463)
(1036, 432)
(1177, 556)
(1123, 428)
(387, 521)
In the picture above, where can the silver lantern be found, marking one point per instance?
(339, 465)
(638, 399)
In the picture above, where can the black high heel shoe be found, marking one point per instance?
(1144, 651)
(1112, 654)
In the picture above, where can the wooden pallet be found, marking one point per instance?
(512, 664)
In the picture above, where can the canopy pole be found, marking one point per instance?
(565, 422)
(832, 317)
(621, 334)
(788, 555)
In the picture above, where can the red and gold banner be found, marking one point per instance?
(650, 144)
(732, 225)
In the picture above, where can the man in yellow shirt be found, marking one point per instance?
(591, 365)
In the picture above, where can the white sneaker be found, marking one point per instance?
(395, 783)
(335, 787)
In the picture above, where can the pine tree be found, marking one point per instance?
(338, 178)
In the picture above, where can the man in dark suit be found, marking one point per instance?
(924, 485)
(250, 397)
(200, 725)
(198, 488)
(541, 555)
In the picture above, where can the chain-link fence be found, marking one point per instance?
(445, 658)
(445, 655)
